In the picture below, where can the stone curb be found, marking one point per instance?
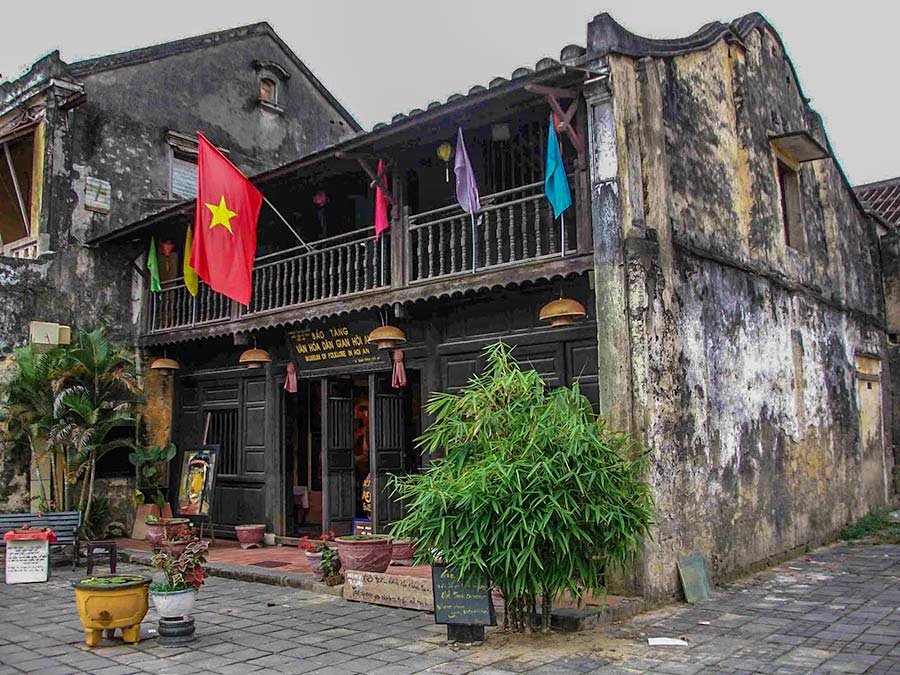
(567, 620)
(303, 582)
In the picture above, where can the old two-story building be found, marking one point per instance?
(735, 314)
(87, 148)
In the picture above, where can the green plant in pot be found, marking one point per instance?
(175, 597)
(150, 474)
(331, 567)
(176, 542)
(535, 491)
(315, 550)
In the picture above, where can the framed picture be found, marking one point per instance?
(198, 482)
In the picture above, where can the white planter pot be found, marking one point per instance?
(175, 604)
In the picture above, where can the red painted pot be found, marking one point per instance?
(403, 551)
(315, 565)
(176, 548)
(366, 553)
(250, 536)
(164, 529)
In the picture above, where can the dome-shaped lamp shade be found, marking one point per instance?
(562, 312)
(165, 366)
(255, 358)
(386, 337)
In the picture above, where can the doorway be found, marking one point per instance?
(344, 436)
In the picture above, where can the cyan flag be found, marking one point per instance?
(556, 183)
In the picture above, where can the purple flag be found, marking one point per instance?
(466, 189)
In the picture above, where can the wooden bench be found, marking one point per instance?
(64, 524)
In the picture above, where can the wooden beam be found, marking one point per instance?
(553, 96)
(377, 179)
(553, 91)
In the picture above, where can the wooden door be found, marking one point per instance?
(388, 447)
(337, 456)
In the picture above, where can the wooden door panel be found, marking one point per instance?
(389, 448)
(339, 468)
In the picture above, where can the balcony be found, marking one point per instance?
(513, 239)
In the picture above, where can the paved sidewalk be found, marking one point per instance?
(835, 611)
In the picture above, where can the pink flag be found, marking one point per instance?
(466, 188)
(381, 214)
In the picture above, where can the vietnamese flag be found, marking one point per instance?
(224, 224)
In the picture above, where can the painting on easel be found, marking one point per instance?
(198, 482)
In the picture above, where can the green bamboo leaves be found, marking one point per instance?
(533, 490)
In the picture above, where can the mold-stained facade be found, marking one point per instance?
(753, 364)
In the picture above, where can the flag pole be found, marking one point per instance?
(562, 233)
(474, 244)
(283, 220)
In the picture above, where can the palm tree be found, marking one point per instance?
(28, 410)
(96, 393)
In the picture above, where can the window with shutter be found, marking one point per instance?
(184, 178)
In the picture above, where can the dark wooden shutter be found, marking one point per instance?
(337, 423)
(388, 448)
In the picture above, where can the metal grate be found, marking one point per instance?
(223, 431)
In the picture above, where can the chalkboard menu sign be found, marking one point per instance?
(459, 603)
(335, 346)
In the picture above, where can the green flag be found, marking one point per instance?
(153, 266)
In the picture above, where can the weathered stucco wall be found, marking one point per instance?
(118, 135)
(743, 351)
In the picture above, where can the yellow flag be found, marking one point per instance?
(191, 281)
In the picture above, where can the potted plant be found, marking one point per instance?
(315, 550)
(179, 539)
(250, 536)
(150, 478)
(160, 530)
(365, 552)
(174, 598)
(110, 602)
(331, 567)
(402, 552)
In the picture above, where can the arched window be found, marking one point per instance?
(272, 78)
(268, 90)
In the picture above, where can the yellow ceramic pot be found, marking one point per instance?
(110, 602)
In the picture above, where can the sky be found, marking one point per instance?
(381, 58)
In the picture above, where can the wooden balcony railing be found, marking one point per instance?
(513, 227)
(337, 266)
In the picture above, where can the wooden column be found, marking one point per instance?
(399, 230)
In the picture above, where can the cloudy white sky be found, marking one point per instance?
(428, 49)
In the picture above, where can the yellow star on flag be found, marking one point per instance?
(221, 215)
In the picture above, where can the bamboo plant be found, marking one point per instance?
(534, 490)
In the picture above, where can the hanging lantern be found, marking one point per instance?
(562, 312)
(444, 151)
(386, 337)
(255, 358)
(165, 366)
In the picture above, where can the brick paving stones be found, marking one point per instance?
(834, 611)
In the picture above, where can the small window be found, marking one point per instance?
(184, 176)
(268, 90)
(791, 209)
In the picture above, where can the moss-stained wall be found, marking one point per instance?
(742, 351)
